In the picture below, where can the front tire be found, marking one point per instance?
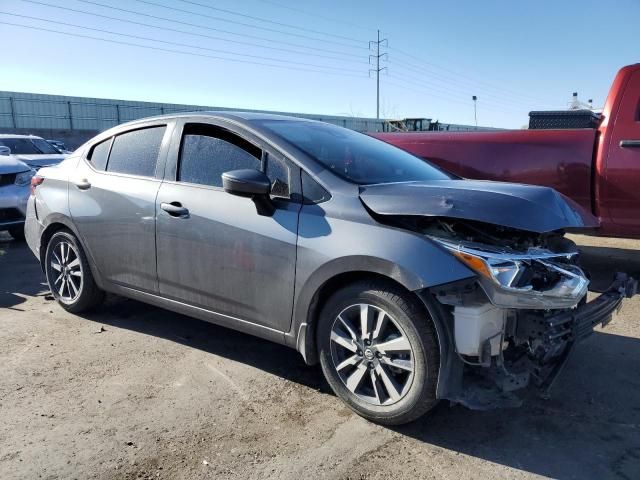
(379, 352)
(68, 274)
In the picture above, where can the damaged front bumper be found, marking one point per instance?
(535, 346)
(560, 332)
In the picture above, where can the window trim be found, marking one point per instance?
(161, 161)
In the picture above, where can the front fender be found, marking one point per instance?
(341, 246)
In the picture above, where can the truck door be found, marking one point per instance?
(620, 185)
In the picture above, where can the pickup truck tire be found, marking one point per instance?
(17, 233)
(388, 375)
(69, 275)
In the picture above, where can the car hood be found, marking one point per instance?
(41, 160)
(10, 164)
(524, 207)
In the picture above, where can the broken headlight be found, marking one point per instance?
(537, 279)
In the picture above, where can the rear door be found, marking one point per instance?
(218, 254)
(112, 198)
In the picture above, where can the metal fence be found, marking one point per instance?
(39, 111)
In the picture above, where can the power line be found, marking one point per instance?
(316, 15)
(255, 37)
(57, 22)
(506, 102)
(182, 52)
(458, 74)
(191, 12)
(469, 86)
(444, 95)
(166, 42)
(260, 19)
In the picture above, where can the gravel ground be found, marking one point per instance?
(137, 392)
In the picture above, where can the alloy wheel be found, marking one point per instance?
(65, 271)
(372, 354)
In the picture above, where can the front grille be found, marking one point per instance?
(10, 215)
(7, 179)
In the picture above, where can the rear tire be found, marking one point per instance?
(388, 375)
(69, 275)
(17, 233)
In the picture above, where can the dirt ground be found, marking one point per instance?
(137, 392)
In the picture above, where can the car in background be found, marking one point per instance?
(406, 283)
(34, 151)
(60, 146)
(15, 178)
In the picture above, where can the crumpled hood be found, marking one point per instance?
(524, 207)
(41, 160)
(10, 164)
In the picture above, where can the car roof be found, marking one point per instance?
(11, 135)
(242, 117)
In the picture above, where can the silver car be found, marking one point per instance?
(15, 178)
(32, 150)
(406, 283)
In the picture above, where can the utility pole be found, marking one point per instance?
(475, 109)
(377, 70)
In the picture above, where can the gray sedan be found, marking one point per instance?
(407, 284)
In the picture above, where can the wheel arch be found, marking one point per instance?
(335, 275)
(57, 224)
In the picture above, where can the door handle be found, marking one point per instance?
(630, 143)
(82, 184)
(175, 209)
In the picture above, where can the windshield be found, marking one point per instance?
(354, 156)
(44, 146)
(28, 146)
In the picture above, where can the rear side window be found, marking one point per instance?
(100, 154)
(136, 152)
(207, 152)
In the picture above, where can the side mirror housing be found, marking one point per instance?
(250, 183)
(5, 151)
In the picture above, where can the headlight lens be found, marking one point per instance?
(537, 279)
(23, 179)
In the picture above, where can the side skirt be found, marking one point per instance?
(200, 313)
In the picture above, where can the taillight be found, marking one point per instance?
(35, 181)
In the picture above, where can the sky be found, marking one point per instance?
(313, 56)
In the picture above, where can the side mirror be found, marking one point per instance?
(252, 184)
(5, 151)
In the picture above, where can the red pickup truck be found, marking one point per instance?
(597, 167)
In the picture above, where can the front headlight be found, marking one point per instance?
(537, 279)
(23, 179)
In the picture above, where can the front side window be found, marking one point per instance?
(206, 152)
(353, 156)
(136, 152)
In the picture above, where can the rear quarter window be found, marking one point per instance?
(100, 154)
(136, 152)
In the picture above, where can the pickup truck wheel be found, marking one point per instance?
(17, 233)
(69, 275)
(379, 352)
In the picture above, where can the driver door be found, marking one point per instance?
(215, 252)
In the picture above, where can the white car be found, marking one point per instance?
(15, 180)
(34, 151)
